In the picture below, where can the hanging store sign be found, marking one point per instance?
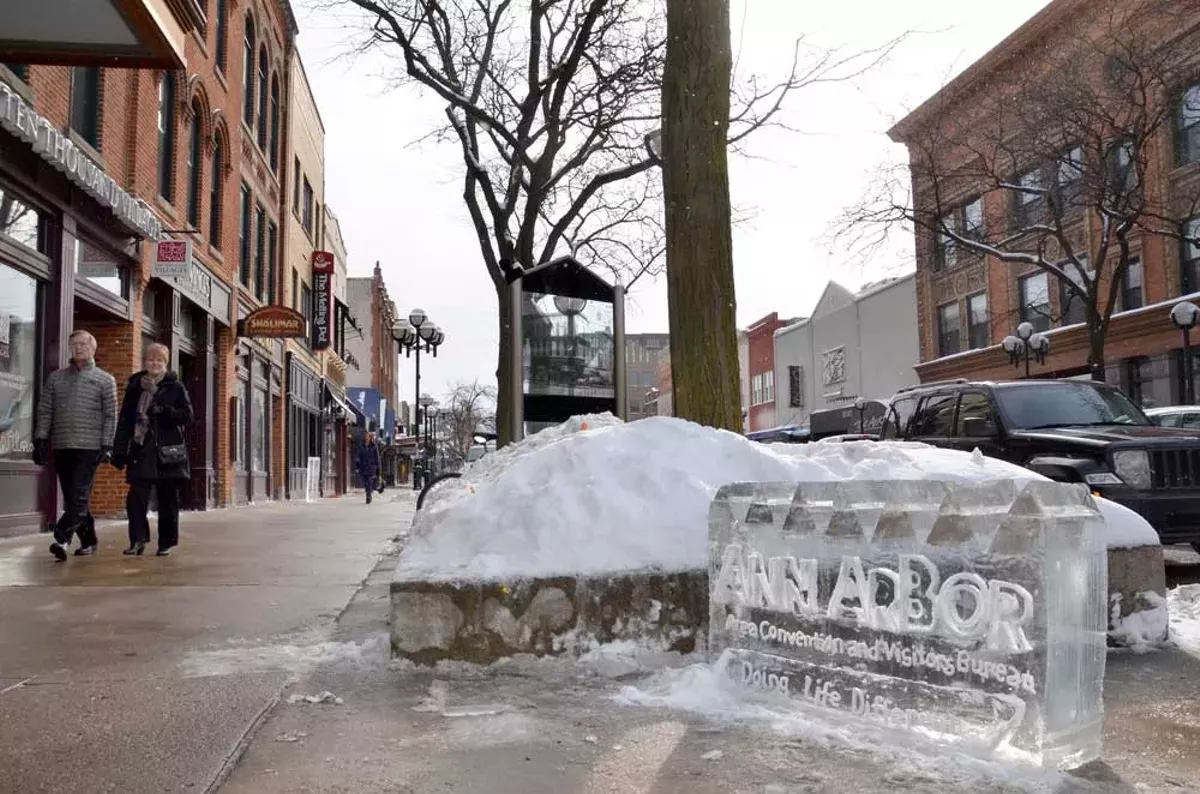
(173, 258)
(322, 319)
(57, 148)
(273, 322)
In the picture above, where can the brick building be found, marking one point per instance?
(760, 371)
(641, 372)
(96, 164)
(969, 302)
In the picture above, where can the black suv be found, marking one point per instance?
(1067, 430)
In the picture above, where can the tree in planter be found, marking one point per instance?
(549, 102)
(468, 410)
(1067, 156)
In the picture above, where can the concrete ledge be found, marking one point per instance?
(481, 622)
(1132, 572)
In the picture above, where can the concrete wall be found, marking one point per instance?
(873, 333)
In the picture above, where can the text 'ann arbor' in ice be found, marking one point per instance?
(970, 614)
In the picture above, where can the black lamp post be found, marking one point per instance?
(414, 334)
(1185, 315)
(1026, 346)
(860, 405)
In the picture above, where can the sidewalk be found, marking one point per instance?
(129, 674)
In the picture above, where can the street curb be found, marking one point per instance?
(244, 741)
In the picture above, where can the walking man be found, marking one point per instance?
(76, 419)
(368, 464)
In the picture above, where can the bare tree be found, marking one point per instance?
(468, 410)
(1057, 167)
(549, 102)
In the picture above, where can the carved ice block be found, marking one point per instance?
(972, 615)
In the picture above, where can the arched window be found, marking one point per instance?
(248, 75)
(273, 145)
(220, 32)
(195, 168)
(166, 136)
(218, 191)
(262, 98)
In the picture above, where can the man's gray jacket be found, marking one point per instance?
(78, 408)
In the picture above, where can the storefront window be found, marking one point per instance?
(258, 431)
(18, 362)
(21, 223)
(239, 424)
(102, 269)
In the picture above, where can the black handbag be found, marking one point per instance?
(172, 454)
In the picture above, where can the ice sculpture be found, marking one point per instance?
(969, 614)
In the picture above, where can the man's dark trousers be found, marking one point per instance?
(76, 470)
(369, 484)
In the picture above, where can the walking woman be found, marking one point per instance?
(151, 447)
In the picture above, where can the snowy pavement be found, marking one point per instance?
(612, 725)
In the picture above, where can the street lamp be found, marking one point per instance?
(414, 334)
(571, 308)
(1026, 346)
(1185, 315)
(653, 141)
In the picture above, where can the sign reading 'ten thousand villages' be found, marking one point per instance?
(970, 615)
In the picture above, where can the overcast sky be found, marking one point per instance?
(401, 203)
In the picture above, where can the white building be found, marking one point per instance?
(852, 346)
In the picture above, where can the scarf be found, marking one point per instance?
(149, 389)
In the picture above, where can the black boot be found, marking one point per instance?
(135, 548)
(85, 551)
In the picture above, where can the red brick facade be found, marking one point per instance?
(1142, 347)
(762, 371)
(128, 150)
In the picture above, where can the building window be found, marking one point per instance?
(1030, 204)
(240, 405)
(296, 185)
(263, 98)
(1189, 126)
(1069, 180)
(214, 202)
(19, 71)
(945, 250)
(258, 432)
(195, 169)
(795, 387)
(1191, 256)
(978, 323)
(244, 238)
(19, 363)
(260, 242)
(949, 329)
(769, 391)
(248, 74)
(1074, 305)
(85, 103)
(755, 389)
(166, 135)
(22, 224)
(1131, 295)
(1137, 376)
(972, 219)
(1034, 290)
(1122, 173)
(306, 217)
(306, 305)
(221, 46)
(273, 144)
(272, 252)
(295, 290)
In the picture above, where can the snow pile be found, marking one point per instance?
(1143, 630)
(1183, 604)
(628, 497)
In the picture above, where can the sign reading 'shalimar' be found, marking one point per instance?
(970, 615)
(273, 322)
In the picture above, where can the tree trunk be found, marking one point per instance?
(700, 293)
(504, 429)
(1096, 352)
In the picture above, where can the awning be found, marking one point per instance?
(348, 409)
(133, 34)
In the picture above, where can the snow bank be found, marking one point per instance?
(1140, 631)
(1183, 604)
(621, 497)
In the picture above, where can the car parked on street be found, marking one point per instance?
(1070, 431)
(1176, 416)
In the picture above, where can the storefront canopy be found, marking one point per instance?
(135, 34)
(352, 414)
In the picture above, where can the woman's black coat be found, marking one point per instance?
(170, 411)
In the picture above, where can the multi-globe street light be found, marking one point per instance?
(1185, 315)
(414, 334)
(1026, 346)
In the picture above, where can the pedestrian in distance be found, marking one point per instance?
(367, 464)
(152, 449)
(76, 419)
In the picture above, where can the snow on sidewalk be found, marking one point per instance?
(632, 497)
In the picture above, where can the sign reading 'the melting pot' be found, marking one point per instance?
(322, 319)
(971, 615)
